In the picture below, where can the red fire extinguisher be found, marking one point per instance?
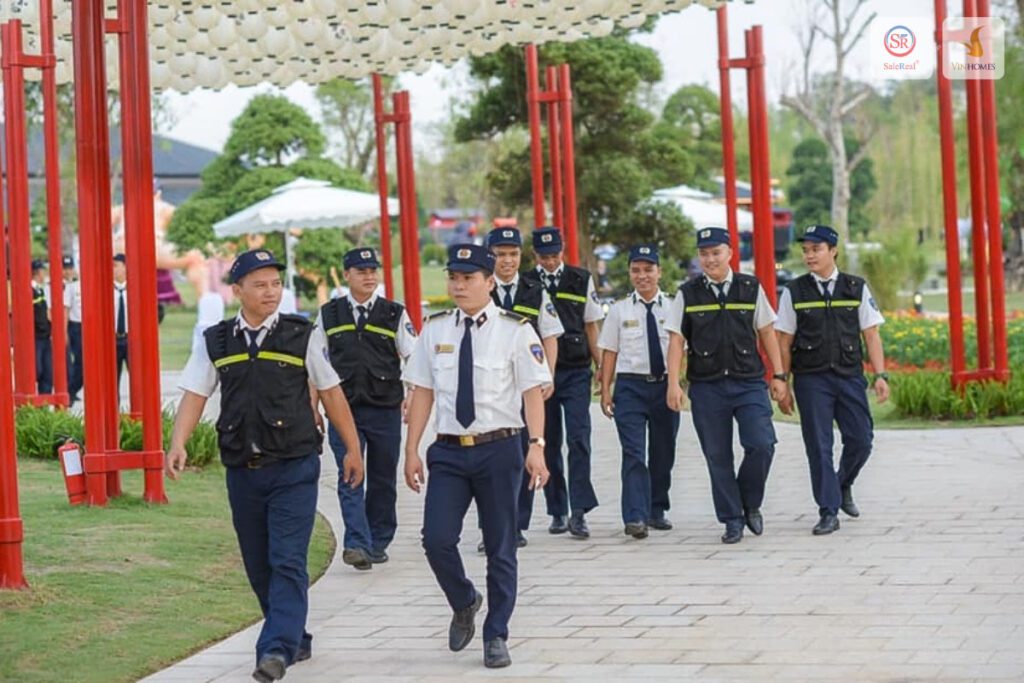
(70, 455)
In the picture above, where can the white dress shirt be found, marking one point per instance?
(592, 311)
(73, 301)
(625, 332)
(405, 335)
(200, 377)
(867, 313)
(763, 316)
(548, 324)
(508, 360)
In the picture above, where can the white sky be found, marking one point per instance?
(686, 42)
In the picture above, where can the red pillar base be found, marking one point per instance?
(12, 576)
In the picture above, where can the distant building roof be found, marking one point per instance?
(456, 214)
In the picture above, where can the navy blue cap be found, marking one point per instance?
(363, 257)
(38, 264)
(819, 233)
(644, 252)
(68, 262)
(500, 237)
(248, 261)
(547, 240)
(120, 258)
(712, 237)
(469, 258)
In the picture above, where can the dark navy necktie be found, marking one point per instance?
(720, 286)
(465, 410)
(254, 337)
(552, 285)
(825, 294)
(654, 354)
(506, 301)
(361, 320)
(122, 322)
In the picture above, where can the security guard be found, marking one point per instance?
(722, 315)
(41, 316)
(635, 343)
(572, 291)
(270, 444)
(120, 317)
(483, 364)
(73, 311)
(528, 298)
(367, 336)
(822, 315)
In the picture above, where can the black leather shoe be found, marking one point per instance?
(377, 556)
(559, 525)
(578, 525)
(463, 625)
(733, 534)
(755, 522)
(826, 525)
(848, 506)
(637, 530)
(659, 523)
(270, 668)
(496, 654)
(357, 557)
(521, 541)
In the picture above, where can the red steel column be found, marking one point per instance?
(554, 156)
(979, 243)
(18, 217)
(949, 204)
(407, 194)
(572, 250)
(728, 143)
(990, 134)
(536, 153)
(12, 530)
(93, 164)
(764, 237)
(382, 185)
(137, 154)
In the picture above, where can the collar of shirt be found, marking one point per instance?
(120, 286)
(544, 274)
(637, 299)
(268, 324)
(727, 280)
(831, 278)
(368, 303)
(486, 313)
(514, 282)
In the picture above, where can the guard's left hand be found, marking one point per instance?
(607, 405)
(353, 469)
(780, 392)
(536, 467)
(881, 390)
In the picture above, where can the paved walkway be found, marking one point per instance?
(927, 585)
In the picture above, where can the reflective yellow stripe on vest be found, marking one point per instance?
(840, 303)
(703, 309)
(228, 360)
(281, 358)
(740, 307)
(341, 328)
(38, 300)
(571, 297)
(809, 304)
(380, 330)
(519, 308)
(845, 303)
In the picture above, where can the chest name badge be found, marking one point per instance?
(630, 323)
(444, 348)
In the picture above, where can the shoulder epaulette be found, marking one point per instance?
(438, 315)
(521, 319)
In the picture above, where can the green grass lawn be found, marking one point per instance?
(938, 303)
(118, 593)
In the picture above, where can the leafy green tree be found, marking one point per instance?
(271, 131)
(810, 187)
(347, 109)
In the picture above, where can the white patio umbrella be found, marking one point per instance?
(307, 204)
(701, 208)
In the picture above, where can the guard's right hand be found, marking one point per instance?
(674, 397)
(607, 406)
(352, 469)
(414, 476)
(174, 462)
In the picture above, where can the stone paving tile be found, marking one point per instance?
(927, 585)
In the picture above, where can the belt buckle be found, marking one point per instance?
(467, 440)
(254, 464)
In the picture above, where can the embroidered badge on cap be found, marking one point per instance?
(507, 233)
(810, 230)
(705, 233)
(463, 253)
(262, 256)
(366, 254)
(546, 238)
(644, 250)
(538, 352)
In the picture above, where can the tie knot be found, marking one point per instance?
(468, 322)
(361, 308)
(647, 305)
(507, 288)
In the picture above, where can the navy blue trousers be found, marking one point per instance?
(642, 414)
(74, 358)
(369, 510)
(572, 395)
(525, 492)
(122, 363)
(44, 366)
(273, 509)
(824, 397)
(491, 475)
(714, 406)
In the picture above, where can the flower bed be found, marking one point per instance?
(913, 342)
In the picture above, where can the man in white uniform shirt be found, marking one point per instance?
(73, 314)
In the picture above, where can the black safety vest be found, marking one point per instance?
(367, 362)
(720, 339)
(570, 301)
(264, 399)
(827, 333)
(39, 310)
(527, 301)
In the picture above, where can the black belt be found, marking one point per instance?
(467, 440)
(643, 378)
(121, 336)
(258, 461)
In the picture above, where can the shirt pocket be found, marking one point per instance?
(445, 368)
(491, 379)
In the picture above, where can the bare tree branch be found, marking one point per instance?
(853, 102)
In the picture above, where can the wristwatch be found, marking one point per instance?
(880, 375)
(539, 440)
(781, 376)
